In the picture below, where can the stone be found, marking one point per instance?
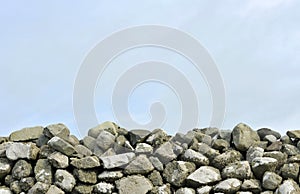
(226, 158)
(288, 187)
(5, 190)
(275, 146)
(156, 178)
(211, 131)
(240, 170)
(5, 167)
(252, 185)
(55, 190)
(263, 132)
(106, 126)
(195, 157)
(220, 144)
(110, 176)
(157, 137)
(43, 171)
(45, 151)
(270, 138)
(134, 184)
(105, 140)
(89, 142)
(21, 169)
(206, 150)
(83, 151)
(271, 180)
(103, 188)
(225, 135)
(57, 130)
(116, 161)
(244, 137)
(85, 176)
(205, 175)
(279, 156)
(164, 189)
(254, 152)
(260, 165)
(15, 187)
(26, 134)
(230, 186)
(156, 163)
(138, 135)
(86, 162)
(290, 170)
(204, 190)
(140, 165)
(61, 145)
(64, 180)
(286, 140)
(26, 183)
(58, 160)
(202, 138)
(83, 189)
(293, 134)
(185, 191)
(143, 148)
(39, 188)
(290, 150)
(17, 151)
(176, 172)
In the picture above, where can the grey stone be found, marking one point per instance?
(55, 190)
(86, 162)
(288, 187)
(290, 170)
(252, 185)
(117, 161)
(231, 185)
(240, 170)
(135, 184)
(140, 165)
(254, 152)
(17, 151)
(244, 137)
(21, 169)
(58, 160)
(57, 130)
(270, 138)
(225, 135)
(205, 175)
(286, 140)
(5, 167)
(260, 165)
(275, 146)
(110, 176)
(64, 180)
(164, 189)
(263, 132)
(185, 191)
(271, 180)
(166, 152)
(83, 151)
(45, 151)
(156, 178)
(204, 190)
(294, 134)
(157, 138)
(279, 156)
(220, 144)
(26, 134)
(85, 176)
(206, 150)
(61, 145)
(83, 189)
(43, 171)
(106, 126)
(143, 148)
(226, 158)
(290, 150)
(89, 142)
(176, 172)
(211, 131)
(103, 188)
(105, 140)
(202, 138)
(195, 157)
(26, 183)
(39, 188)
(138, 135)
(15, 187)
(5, 190)
(156, 163)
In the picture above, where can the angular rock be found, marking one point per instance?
(135, 184)
(271, 180)
(263, 132)
(225, 135)
(17, 151)
(57, 130)
(26, 183)
(185, 191)
(86, 162)
(288, 187)
(290, 170)
(39, 188)
(54, 189)
(195, 157)
(5, 167)
(89, 142)
(156, 163)
(64, 180)
(83, 189)
(103, 188)
(58, 160)
(244, 137)
(220, 144)
(106, 126)
(279, 156)
(140, 165)
(260, 165)
(226, 158)
(43, 171)
(164, 189)
(83, 151)
(157, 138)
(254, 152)
(252, 185)
(117, 161)
(85, 176)
(206, 150)
(240, 170)
(61, 145)
(176, 172)
(105, 140)
(290, 150)
(205, 175)
(21, 169)
(204, 190)
(275, 146)
(143, 148)
(138, 135)
(156, 178)
(231, 185)
(26, 134)
(110, 176)
(294, 134)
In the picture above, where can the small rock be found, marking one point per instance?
(290, 150)
(54, 189)
(43, 171)
(61, 145)
(204, 190)
(263, 132)
(271, 180)
(202, 138)
(244, 137)
(106, 126)
(5, 190)
(279, 156)
(254, 152)
(82, 150)
(270, 138)
(5, 167)
(156, 163)
(21, 169)
(225, 135)
(231, 185)
(240, 170)
(185, 191)
(206, 150)
(26, 134)
(17, 151)
(64, 180)
(135, 184)
(89, 142)
(26, 183)
(260, 165)
(220, 144)
(83, 189)
(118, 160)
(164, 189)
(138, 136)
(156, 178)
(205, 175)
(252, 185)
(57, 130)
(86, 162)
(195, 157)
(85, 176)
(143, 148)
(110, 176)
(103, 188)
(288, 187)
(39, 188)
(294, 134)
(275, 146)
(157, 138)
(226, 158)
(290, 171)
(105, 140)
(286, 140)
(58, 160)
(140, 165)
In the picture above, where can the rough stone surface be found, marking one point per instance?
(64, 180)
(116, 161)
(271, 180)
(135, 184)
(244, 137)
(140, 165)
(231, 185)
(205, 175)
(61, 145)
(17, 151)
(26, 134)
(85, 163)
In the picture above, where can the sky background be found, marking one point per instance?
(255, 44)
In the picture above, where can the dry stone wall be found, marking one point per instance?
(111, 159)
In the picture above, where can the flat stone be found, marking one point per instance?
(204, 175)
(86, 162)
(61, 145)
(43, 171)
(275, 146)
(244, 137)
(106, 126)
(263, 132)
(230, 186)
(135, 184)
(5, 167)
(58, 160)
(271, 180)
(176, 172)
(140, 165)
(270, 138)
(195, 157)
(83, 189)
(105, 140)
(143, 148)
(54, 189)
(240, 170)
(26, 134)
(116, 161)
(64, 180)
(288, 186)
(57, 130)
(110, 176)
(85, 176)
(156, 163)
(294, 134)
(21, 169)
(260, 165)
(103, 188)
(89, 142)
(17, 151)
(82, 150)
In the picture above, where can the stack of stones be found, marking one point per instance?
(113, 160)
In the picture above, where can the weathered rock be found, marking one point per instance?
(260, 165)
(17, 151)
(270, 138)
(86, 162)
(85, 176)
(117, 161)
(204, 190)
(220, 144)
(58, 160)
(83, 151)
(106, 126)
(5, 167)
(225, 135)
(110, 176)
(64, 180)
(140, 165)
(83, 189)
(226, 158)
(89, 142)
(138, 135)
(26, 134)
(195, 157)
(254, 152)
(176, 172)
(202, 138)
(288, 187)
(185, 191)
(240, 170)
(57, 130)
(135, 184)
(5, 190)
(290, 170)
(244, 137)
(21, 169)
(211, 131)
(39, 188)
(43, 171)
(157, 137)
(164, 189)
(105, 140)
(54, 189)
(286, 140)
(156, 178)
(168, 152)
(15, 187)
(206, 150)
(103, 188)
(156, 163)
(279, 156)
(294, 134)
(275, 146)
(61, 145)
(26, 183)
(263, 132)
(290, 150)
(271, 180)
(231, 185)
(143, 148)
(252, 185)
(205, 175)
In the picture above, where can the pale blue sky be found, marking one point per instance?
(256, 45)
